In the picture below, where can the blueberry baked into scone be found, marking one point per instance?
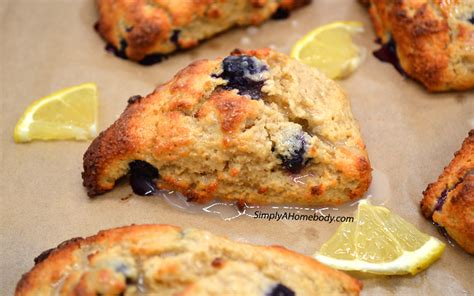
(146, 30)
(434, 40)
(166, 260)
(255, 127)
(449, 201)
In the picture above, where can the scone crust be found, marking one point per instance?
(434, 40)
(141, 28)
(456, 187)
(200, 138)
(100, 262)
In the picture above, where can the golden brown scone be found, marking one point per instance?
(434, 39)
(146, 30)
(255, 127)
(450, 200)
(166, 260)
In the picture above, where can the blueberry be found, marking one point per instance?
(175, 37)
(443, 231)
(142, 177)
(152, 59)
(143, 168)
(244, 73)
(441, 200)
(142, 186)
(281, 290)
(96, 26)
(241, 66)
(388, 53)
(444, 194)
(392, 46)
(120, 52)
(129, 281)
(134, 99)
(294, 160)
(281, 14)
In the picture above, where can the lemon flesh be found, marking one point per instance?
(68, 114)
(330, 49)
(380, 242)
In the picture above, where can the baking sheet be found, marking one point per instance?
(50, 44)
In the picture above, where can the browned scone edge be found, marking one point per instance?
(148, 31)
(432, 43)
(449, 201)
(53, 262)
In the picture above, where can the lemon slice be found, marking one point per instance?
(70, 113)
(330, 49)
(380, 242)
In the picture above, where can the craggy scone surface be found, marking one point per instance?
(145, 30)
(166, 260)
(434, 39)
(450, 200)
(256, 127)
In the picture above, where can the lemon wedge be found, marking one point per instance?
(380, 242)
(330, 49)
(70, 113)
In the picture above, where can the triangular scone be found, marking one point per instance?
(146, 31)
(255, 127)
(449, 201)
(166, 260)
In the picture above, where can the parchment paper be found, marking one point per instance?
(50, 44)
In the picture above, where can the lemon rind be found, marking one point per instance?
(410, 262)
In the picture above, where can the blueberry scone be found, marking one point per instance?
(254, 127)
(166, 260)
(449, 201)
(434, 40)
(146, 30)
